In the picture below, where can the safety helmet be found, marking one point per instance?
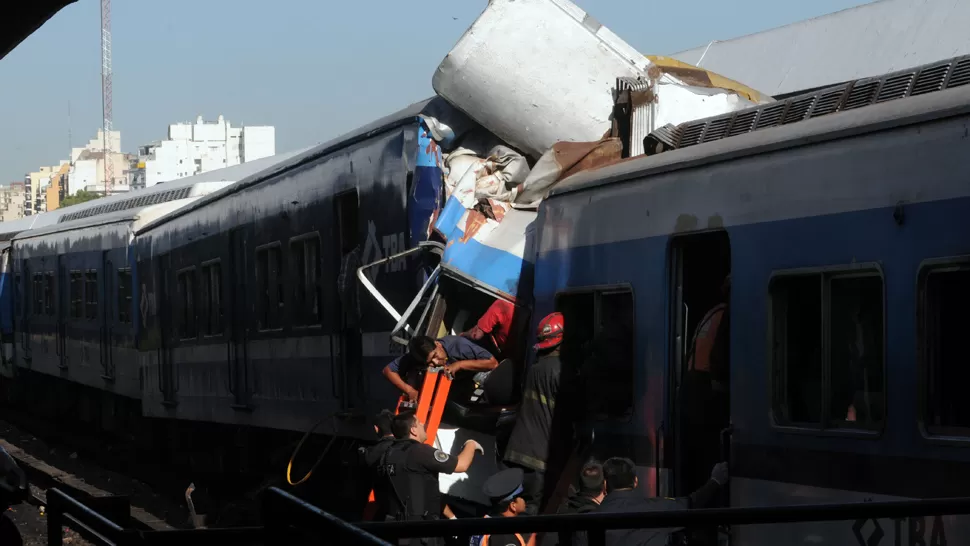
(550, 330)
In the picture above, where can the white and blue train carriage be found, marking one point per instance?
(847, 238)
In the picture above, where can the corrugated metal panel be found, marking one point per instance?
(921, 80)
(861, 42)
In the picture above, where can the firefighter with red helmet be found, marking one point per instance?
(535, 427)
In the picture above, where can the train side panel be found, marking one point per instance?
(813, 231)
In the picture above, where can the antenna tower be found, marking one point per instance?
(106, 92)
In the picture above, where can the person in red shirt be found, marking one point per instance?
(494, 326)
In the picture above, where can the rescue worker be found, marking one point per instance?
(537, 426)
(622, 496)
(371, 458)
(494, 326)
(504, 490)
(585, 499)
(706, 388)
(454, 353)
(411, 469)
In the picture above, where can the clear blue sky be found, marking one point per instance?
(312, 68)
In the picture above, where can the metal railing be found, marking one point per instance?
(290, 520)
(595, 525)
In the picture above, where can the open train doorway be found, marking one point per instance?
(700, 402)
(349, 375)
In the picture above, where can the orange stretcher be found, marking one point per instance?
(430, 407)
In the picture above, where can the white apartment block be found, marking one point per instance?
(193, 148)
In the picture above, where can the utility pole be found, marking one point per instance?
(106, 92)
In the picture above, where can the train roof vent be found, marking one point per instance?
(128, 204)
(921, 80)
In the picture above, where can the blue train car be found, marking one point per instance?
(847, 242)
(255, 330)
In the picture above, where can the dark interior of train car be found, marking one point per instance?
(701, 264)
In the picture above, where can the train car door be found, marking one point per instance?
(698, 360)
(166, 366)
(26, 283)
(108, 312)
(347, 366)
(240, 317)
(61, 306)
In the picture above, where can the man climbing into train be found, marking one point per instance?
(538, 427)
(493, 328)
(453, 353)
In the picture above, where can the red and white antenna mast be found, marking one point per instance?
(106, 92)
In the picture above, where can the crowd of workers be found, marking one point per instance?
(406, 469)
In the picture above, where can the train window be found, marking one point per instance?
(212, 299)
(945, 294)
(827, 350)
(305, 254)
(91, 295)
(77, 295)
(37, 289)
(18, 296)
(187, 326)
(49, 294)
(599, 341)
(269, 276)
(124, 296)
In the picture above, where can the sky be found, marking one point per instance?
(312, 68)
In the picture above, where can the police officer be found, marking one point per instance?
(504, 491)
(411, 469)
(371, 458)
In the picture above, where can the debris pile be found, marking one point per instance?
(522, 123)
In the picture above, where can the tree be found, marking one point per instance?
(80, 197)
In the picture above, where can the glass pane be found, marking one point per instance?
(797, 348)
(856, 351)
(946, 321)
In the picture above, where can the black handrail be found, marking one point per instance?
(290, 520)
(63, 510)
(596, 524)
(284, 515)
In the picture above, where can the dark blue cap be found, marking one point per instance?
(504, 486)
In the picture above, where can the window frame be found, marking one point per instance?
(75, 277)
(596, 290)
(298, 309)
(86, 275)
(281, 282)
(126, 271)
(952, 435)
(827, 425)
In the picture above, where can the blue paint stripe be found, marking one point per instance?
(490, 266)
(449, 218)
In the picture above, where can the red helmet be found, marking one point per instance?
(549, 333)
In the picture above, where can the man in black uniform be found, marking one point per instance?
(504, 491)
(591, 492)
(371, 458)
(537, 426)
(622, 496)
(411, 468)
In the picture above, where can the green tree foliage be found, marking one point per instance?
(80, 197)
